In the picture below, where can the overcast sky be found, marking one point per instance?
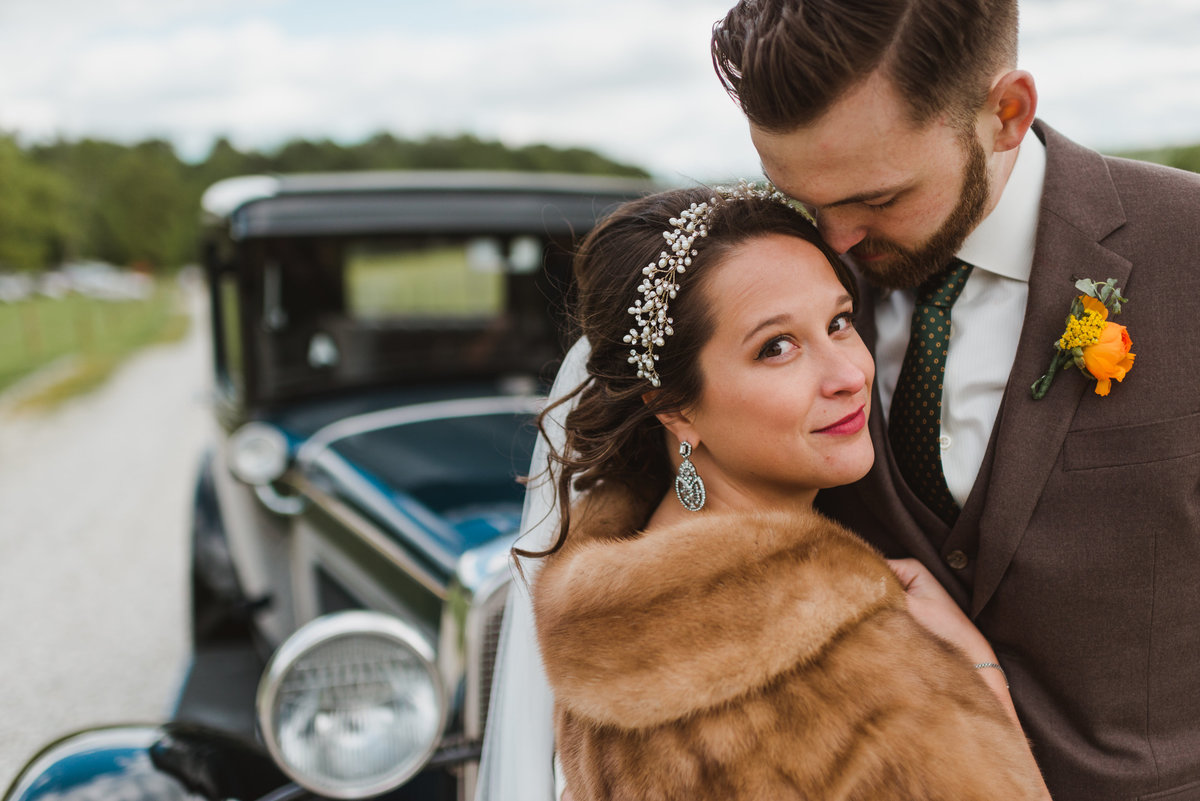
(629, 78)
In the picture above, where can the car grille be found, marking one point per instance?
(484, 642)
(491, 645)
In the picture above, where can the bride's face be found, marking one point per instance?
(786, 378)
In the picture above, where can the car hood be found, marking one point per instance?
(440, 477)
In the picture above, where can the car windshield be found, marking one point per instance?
(334, 312)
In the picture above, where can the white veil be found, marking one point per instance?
(518, 748)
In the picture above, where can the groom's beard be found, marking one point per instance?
(909, 267)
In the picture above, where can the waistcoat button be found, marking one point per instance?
(956, 559)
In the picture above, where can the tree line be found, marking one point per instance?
(1186, 157)
(138, 204)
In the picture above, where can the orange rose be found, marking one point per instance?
(1109, 358)
(1093, 305)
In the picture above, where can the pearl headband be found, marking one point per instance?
(661, 278)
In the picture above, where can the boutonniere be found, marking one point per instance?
(1097, 347)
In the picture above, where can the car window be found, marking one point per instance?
(229, 360)
(425, 281)
(326, 314)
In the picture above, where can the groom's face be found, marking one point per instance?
(900, 199)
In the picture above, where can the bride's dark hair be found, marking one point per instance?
(612, 434)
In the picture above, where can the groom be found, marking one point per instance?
(1071, 530)
(1067, 528)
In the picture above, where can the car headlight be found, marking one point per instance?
(258, 453)
(351, 704)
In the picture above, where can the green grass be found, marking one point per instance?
(437, 282)
(97, 335)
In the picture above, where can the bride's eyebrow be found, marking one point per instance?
(784, 317)
(778, 319)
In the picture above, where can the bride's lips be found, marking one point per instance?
(850, 424)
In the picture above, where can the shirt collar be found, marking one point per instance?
(1003, 242)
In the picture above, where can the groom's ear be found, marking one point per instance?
(1011, 107)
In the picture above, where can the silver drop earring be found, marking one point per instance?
(689, 487)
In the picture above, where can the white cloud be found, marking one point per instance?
(1114, 75)
(568, 74)
(631, 78)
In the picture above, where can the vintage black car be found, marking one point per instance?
(382, 342)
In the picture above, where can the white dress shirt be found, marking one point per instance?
(985, 323)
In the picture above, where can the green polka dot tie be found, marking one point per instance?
(915, 419)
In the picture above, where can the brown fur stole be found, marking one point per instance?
(756, 656)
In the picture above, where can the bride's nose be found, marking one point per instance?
(844, 372)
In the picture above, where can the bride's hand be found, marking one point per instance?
(934, 609)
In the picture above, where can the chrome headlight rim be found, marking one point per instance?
(326, 629)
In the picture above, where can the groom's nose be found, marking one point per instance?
(840, 229)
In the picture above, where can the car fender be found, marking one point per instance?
(169, 762)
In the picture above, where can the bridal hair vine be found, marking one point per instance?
(660, 281)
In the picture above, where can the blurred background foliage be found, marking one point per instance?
(1184, 158)
(138, 205)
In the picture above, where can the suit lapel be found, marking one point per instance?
(1079, 208)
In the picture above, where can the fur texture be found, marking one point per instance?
(766, 656)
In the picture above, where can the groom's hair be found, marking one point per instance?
(787, 62)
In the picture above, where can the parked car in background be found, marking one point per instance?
(14, 286)
(382, 343)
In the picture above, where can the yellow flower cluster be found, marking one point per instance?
(1082, 331)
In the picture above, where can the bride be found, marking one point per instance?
(705, 633)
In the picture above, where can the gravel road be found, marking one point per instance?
(94, 525)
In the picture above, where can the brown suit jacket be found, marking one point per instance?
(1082, 532)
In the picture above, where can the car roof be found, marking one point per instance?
(397, 202)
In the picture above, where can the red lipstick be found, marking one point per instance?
(850, 424)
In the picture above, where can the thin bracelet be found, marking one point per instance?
(982, 665)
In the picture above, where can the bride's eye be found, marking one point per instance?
(843, 322)
(776, 346)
